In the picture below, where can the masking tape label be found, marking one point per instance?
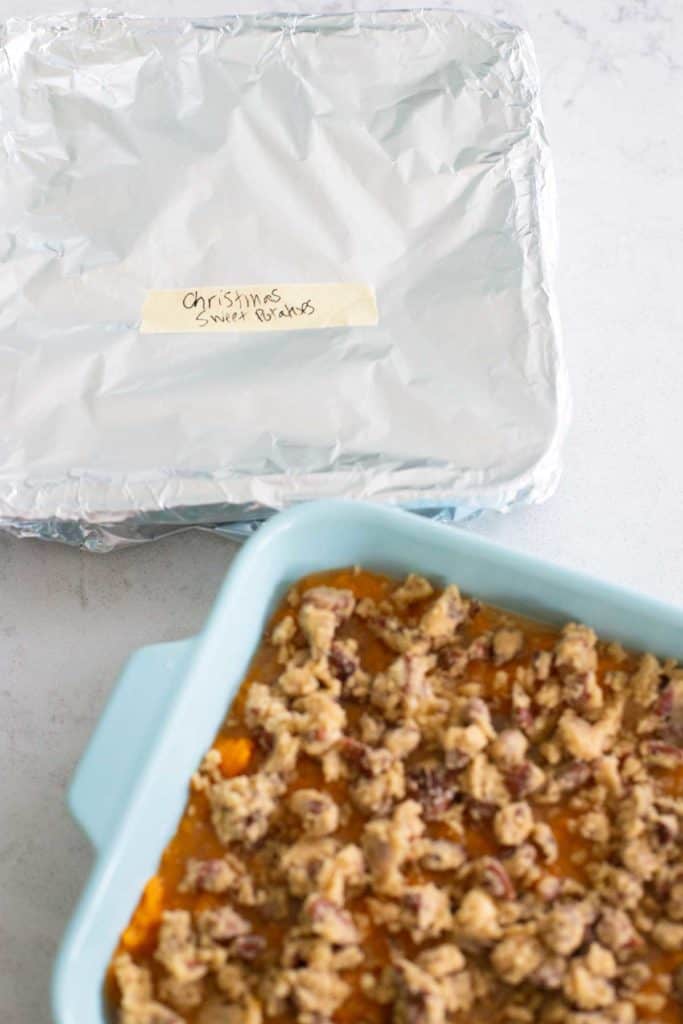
(259, 307)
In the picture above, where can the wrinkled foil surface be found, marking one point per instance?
(404, 150)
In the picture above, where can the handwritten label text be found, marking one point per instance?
(258, 308)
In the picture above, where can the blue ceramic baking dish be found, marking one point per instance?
(130, 787)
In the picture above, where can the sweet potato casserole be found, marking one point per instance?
(422, 810)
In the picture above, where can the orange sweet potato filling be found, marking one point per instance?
(196, 838)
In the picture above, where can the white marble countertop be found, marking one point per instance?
(613, 96)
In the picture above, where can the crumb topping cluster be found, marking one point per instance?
(437, 814)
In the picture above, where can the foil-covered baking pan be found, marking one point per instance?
(402, 152)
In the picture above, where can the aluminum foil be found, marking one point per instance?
(404, 150)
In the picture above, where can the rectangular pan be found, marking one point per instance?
(130, 788)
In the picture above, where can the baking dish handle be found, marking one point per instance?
(118, 749)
